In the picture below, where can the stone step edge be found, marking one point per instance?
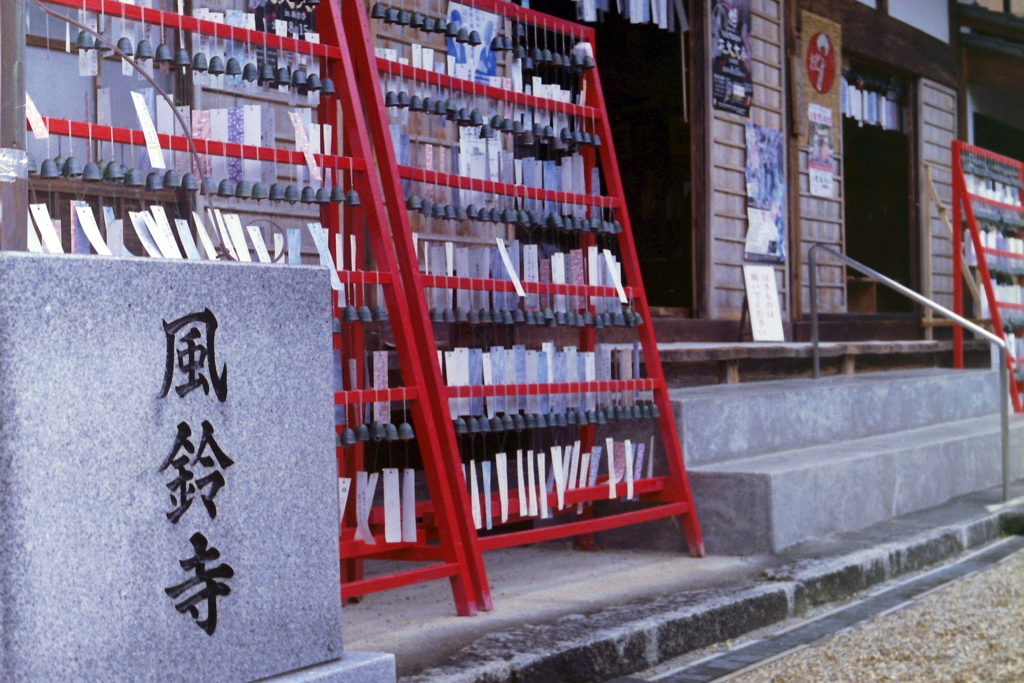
(624, 639)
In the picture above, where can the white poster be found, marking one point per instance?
(819, 159)
(763, 302)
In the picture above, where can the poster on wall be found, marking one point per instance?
(820, 165)
(732, 87)
(766, 195)
(477, 63)
(763, 303)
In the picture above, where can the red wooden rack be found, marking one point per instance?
(987, 168)
(670, 493)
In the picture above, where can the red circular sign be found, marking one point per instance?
(821, 63)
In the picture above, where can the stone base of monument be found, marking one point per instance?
(168, 481)
(353, 667)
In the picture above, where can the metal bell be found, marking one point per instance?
(352, 198)
(496, 424)
(327, 87)
(308, 195)
(163, 54)
(429, 25)
(546, 56)
(598, 322)
(517, 316)
(531, 421)
(250, 73)
(462, 36)
(377, 11)
(484, 424)
(618, 319)
(323, 195)
(518, 422)
(337, 194)
(226, 188)
(448, 315)
(259, 190)
(452, 30)
(460, 315)
(405, 432)
(529, 318)
(216, 67)
(506, 318)
(181, 59)
(348, 437)
(636, 412)
(171, 179)
(437, 210)
(559, 318)
(557, 60)
(276, 193)
(645, 411)
(508, 126)
(486, 132)
(588, 63)
(349, 314)
(72, 168)
(403, 100)
(436, 316)
(581, 418)
(476, 118)
(542, 421)
(112, 173)
(588, 319)
(266, 74)
(474, 38)
(473, 425)
(243, 190)
(124, 45)
(591, 416)
(233, 67)
(380, 313)
(364, 314)
(91, 173)
(415, 103)
(102, 42)
(570, 319)
(133, 178)
(404, 18)
(416, 20)
(199, 62)
(362, 433)
(655, 413)
(602, 418)
(485, 316)
(461, 428)
(84, 41)
(313, 83)
(377, 432)
(559, 420)
(391, 99)
(473, 317)
(299, 77)
(291, 194)
(497, 44)
(144, 50)
(282, 77)
(595, 140)
(391, 16)
(449, 212)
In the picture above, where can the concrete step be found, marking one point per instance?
(725, 422)
(769, 502)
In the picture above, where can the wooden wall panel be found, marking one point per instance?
(937, 125)
(821, 222)
(727, 206)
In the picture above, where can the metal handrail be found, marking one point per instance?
(1004, 370)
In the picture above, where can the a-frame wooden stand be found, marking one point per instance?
(987, 169)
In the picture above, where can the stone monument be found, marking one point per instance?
(168, 484)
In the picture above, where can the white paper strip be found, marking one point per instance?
(204, 237)
(614, 271)
(488, 511)
(522, 485)
(595, 465)
(256, 237)
(542, 475)
(185, 235)
(532, 482)
(512, 275)
(344, 486)
(35, 121)
(302, 142)
(584, 465)
(392, 507)
(237, 235)
(34, 245)
(556, 469)
(217, 218)
(366, 486)
(51, 240)
(474, 493)
(501, 464)
(409, 505)
(163, 235)
(629, 469)
(138, 220)
(610, 446)
(92, 231)
(320, 240)
(156, 155)
(574, 467)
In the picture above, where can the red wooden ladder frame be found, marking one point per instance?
(672, 491)
(963, 208)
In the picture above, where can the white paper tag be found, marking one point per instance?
(35, 121)
(409, 505)
(320, 240)
(51, 239)
(508, 267)
(163, 235)
(556, 469)
(542, 476)
(521, 481)
(185, 235)
(204, 237)
(501, 464)
(614, 271)
(156, 155)
(366, 486)
(629, 469)
(256, 237)
(595, 464)
(474, 493)
(488, 511)
(225, 239)
(302, 141)
(237, 236)
(138, 220)
(574, 467)
(392, 507)
(92, 231)
(34, 245)
(532, 482)
(344, 486)
(610, 446)
(584, 466)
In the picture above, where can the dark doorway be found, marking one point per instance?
(642, 76)
(998, 137)
(878, 217)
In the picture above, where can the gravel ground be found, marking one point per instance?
(971, 630)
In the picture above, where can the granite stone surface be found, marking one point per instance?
(353, 667)
(92, 565)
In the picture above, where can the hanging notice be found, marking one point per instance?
(766, 196)
(819, 161)
(763, 302)
(732, 87)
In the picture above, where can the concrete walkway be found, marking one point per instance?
(564, 616)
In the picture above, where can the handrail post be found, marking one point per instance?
(1004, 410)
(813, 278)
